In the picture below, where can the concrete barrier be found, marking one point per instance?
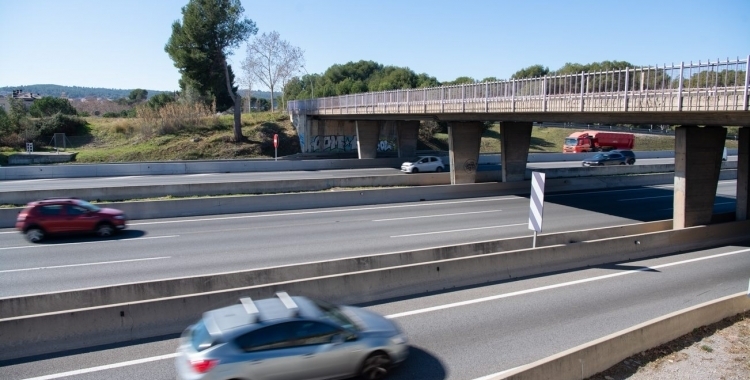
(280, 202)
(613, 170)
(189, 167)
(72, 329)
(258, 165)
(599, 355)
(226, 188)
(82, 298)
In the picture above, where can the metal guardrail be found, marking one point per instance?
(710, 86)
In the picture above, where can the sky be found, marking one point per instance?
(120, 43)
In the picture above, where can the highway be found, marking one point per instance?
(148, 180)
(165, 248)
(495, 328)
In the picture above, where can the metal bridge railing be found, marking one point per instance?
(702, 86)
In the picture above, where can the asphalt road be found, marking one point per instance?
(94, 182)
(496, 328)
(164, 248)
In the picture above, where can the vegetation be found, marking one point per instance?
(199, 46)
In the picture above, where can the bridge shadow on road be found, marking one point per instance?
(644, 204)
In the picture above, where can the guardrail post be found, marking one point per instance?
(747, 83)
(486, 97)
(408, 105)
(544, 94)
(442, 100)
(424, 99)
(513, 97)
(679, 88)
(583, 87)
(627, 77)
(463, 98)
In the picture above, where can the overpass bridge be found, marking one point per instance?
(701, 98)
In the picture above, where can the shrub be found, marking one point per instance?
(60, 123)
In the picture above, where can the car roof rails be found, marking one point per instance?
(289, 303)
(250, 309)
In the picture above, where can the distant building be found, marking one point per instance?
(26, 98)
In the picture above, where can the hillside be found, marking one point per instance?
(95, 92)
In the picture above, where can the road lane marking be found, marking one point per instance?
(414, 312)
(104, 367)
(121, 177)
(10, 232)
(324, 211)
(86, 264)
(638, 199)
(461, 230)
(85, 242)
(560, 285)
(433, 216)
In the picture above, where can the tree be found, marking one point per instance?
(534, 71)
(48, 106)
(160, 100)
(199, 47)
(138, 95)
(272, 61)
(460, 80)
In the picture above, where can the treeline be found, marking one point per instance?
(73, 91)
(369, 76)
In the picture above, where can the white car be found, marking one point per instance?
(424, 164)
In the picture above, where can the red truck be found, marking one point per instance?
(594, 141)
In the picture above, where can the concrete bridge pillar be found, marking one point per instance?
(743, 171)
(408, 132)
(464, 139)
(697, 161)
(368, 132)
(515, 139)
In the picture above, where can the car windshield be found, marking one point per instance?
(571, 141)
(600, 156)
(334, 314)
(88, 206)
(199, 337)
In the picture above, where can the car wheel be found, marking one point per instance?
(105, 230)
(631, 162)
(439, 169)
(415, 170)
(34, 235)
(375, 366)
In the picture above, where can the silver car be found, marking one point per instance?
(286, 338)
(423, 164)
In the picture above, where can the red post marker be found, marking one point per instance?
(275, 146)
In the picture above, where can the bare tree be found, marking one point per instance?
(272, 61)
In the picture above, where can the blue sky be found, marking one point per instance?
(120, 43)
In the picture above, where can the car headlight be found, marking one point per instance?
(398, 339)
(120, 217)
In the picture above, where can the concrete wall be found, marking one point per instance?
(277, 202)
(71, 329)
(75, 299)
(599, 355)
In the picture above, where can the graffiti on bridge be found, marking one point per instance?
(386, 146)
(335, 143)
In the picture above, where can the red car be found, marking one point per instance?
(64, 216)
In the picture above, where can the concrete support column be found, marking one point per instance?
(515, 139)
(743, 168)
(368, 132)
(408, 132)
(697, 164)
(464, 139)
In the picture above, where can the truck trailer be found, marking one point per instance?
(596, 141)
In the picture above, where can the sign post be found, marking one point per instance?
(536, 210)
(275, 146)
